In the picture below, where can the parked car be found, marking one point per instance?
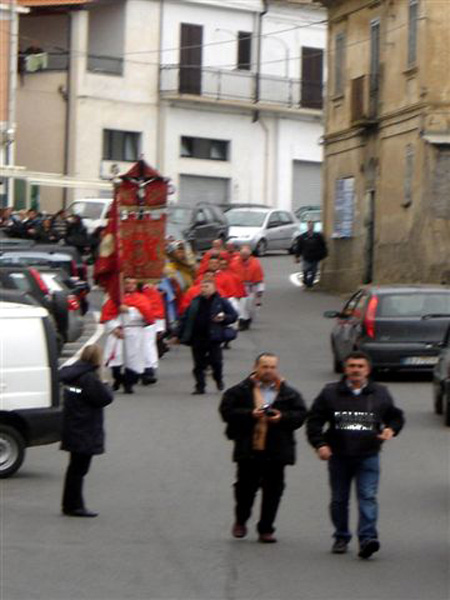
(62, 262)
(56, 298)
(263, 229)
(441, 380)
(398, 326)
(309, 213)
(93, 211)
(200, 224)
(29, 389)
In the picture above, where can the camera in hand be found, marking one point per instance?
(268, 410)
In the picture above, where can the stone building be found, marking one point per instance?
(387, 142)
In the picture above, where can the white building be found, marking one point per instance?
(222, 97)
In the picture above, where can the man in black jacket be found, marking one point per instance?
(262, 413)
(202, 327)
(360, 415)
(311, 246)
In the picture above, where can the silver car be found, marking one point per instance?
(263, 229)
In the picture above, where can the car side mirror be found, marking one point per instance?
(332, 314)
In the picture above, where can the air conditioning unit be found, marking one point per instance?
(364, 101)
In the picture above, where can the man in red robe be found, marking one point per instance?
(251, 274)
(125, 344)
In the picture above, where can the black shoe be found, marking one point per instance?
(198, 391)
(128, 389)
(116, 386)
(79, 512)
(220, 385)
(368, 547)
(340, 546)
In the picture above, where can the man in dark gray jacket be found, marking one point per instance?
(360, 415)
(262, 413)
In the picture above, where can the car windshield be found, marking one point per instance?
(87, 210)
(179, 215)
(246, 218)
(416, 304)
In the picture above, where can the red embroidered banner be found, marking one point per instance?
(143, 246)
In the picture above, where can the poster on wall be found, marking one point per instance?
(344, 208)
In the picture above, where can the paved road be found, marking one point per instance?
(164, 493)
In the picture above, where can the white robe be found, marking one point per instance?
(133, 326)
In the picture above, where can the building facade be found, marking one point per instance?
(224, 100)
(387, 142)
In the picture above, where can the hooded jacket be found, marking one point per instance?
(237, 408)
(84, 398)
(352, 422)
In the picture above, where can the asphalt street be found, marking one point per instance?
(164, 492)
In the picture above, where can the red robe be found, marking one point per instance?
(137, 300)
(156, 300)
(249, 271)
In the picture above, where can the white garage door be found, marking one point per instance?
(193, 189)
(306, 184)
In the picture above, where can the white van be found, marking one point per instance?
(30, 412)
(93, 211)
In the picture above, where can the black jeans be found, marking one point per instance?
(204, 354)
(259, 472)
(73, 484)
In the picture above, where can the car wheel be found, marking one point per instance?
(261, 248)
(337, 364)
(12, 450)
(438, 401)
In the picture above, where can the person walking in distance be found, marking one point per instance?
(262, 412)
(359, 416)
(311, 246)
(250, 272)
(85, 396)
(202, 327)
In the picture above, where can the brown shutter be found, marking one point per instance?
(191, 39)
(312, 77)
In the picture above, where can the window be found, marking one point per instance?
(312, 75)
(244, 57)
(121, 145)
(409, 172)
(339, 64)
(204, 148)
(412, 32)
(285, 218)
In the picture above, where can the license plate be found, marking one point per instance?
(420, 360)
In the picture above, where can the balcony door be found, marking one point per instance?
(191, 39)
(312, 77)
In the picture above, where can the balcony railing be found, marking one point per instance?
(59, 61)
(223, 84)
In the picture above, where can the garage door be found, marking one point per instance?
(193, 189)
(307, 184)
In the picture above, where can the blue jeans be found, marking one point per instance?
(309, 271)
(366, 472)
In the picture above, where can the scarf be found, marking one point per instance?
(261, 426)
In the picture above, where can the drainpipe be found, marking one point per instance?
(12, 89)
(256, 117)
(160, 111)
(66, 97)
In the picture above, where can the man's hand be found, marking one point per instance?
(275, 416)
(123, 308)
(297, 259)
(219, 317)
(386, 434)
(118, 333)
(324, 452)
(259, 413)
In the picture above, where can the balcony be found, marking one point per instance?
(224, 85)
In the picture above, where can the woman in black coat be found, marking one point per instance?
(83, 436)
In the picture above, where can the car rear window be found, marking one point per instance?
(416, 304)
(20, 281)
